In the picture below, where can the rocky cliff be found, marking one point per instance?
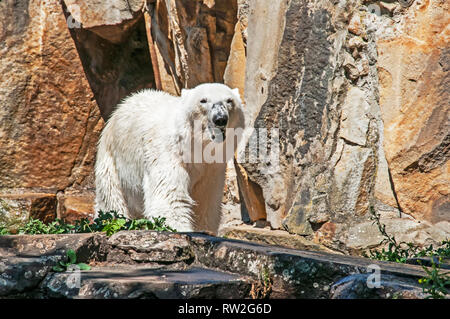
(357, 92)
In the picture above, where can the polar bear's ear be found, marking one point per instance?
(238, 95)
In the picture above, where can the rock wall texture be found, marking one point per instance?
(110, 38)
(192, 40)
(49, 121)
(413, 68)
(354, 93)
(358, 93)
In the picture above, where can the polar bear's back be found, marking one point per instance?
(147, 106)
(140, 114)
(142, 118)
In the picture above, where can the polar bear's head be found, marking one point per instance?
(217, 107)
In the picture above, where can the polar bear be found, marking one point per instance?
(162, 155)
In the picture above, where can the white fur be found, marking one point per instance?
(140, 170)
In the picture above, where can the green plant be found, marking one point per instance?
(36, 227)
(112, 222)
(114, 226)
(400, 252)
(436, 283)
(444, 250)
(104, 219)
(396, 295)
(4, 230)
(396, 252)
(157, 223)
(109, 222)
(84, 225)
(71, 260)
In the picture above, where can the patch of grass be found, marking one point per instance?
(436, 283)
(109, 222)
(37, 227)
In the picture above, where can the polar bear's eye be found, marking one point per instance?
(229, 101)
(203, 100)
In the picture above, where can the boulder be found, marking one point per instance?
(131, 282)
(150, 248)
(110, 20)
(72, 207)
(389, 287)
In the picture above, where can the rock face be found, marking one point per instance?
(55, 85)
(146, 264)
(192, 39)
(358, 95)
(112, 45)
(413, 69)
(49, 121)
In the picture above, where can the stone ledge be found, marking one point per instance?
(296, 273)
(159, 249)
(172, 258)
(272, 237)
(140, 282)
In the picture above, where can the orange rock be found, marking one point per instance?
(49, 121)
(234, 75)
(252, 195)
(73, 207)
(326, 234)
(109, 19)
(413, 73)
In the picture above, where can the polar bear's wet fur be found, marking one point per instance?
(142, 168)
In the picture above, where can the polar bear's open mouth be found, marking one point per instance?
(217, 134)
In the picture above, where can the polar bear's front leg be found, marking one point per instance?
(108, 193)
(166, 194)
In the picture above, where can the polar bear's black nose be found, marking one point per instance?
(220, 119)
